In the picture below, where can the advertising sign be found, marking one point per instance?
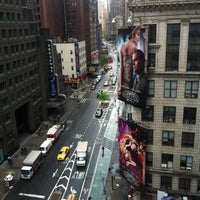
(132, 76)
(53, 86)
(131, 141)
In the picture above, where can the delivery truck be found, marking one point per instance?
(81, 153)
(31, 164)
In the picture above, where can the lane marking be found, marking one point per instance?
(32, 195)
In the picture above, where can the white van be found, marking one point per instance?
(45, 147)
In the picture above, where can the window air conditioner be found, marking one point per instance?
(189, 168)
(164, 166)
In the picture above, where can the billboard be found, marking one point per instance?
(131, 141)
(131, 56)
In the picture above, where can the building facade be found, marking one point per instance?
(73, 59)
(81, 22)
(20, 87)
(173, 110)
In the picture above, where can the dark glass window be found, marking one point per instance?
(151, 88)
(167, 161)
(166, 182)
(186, 162)
(151, 62)
(193, 58)
(188, 139)
(148, 179)
(191, 89)
(152, 33)
(172, 50)
(148, 113)
(168, 138)
(170, 89)
(189, 116)
(169, 114)
(149, 136)
(149, 159)
(184, 184)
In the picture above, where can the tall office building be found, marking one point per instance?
(50, 15)
(173, 110)
(20, 87)
(82, 23)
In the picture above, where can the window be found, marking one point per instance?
(186, 162)
(198, 186)
(184, 184)
(170, 89)
(188, 139)
(189, 116)
(72, 68)
(191, 89)
(167, 161)
(168, 138)
(148, 113)
(151, 88)
(193, 58)
(71, 52)
(149, 159)
(151, 62)
(152, 33)
(166, 182)
(148, 179)
(172, 49)
(72, 59)
(169, 114)
(149, 136)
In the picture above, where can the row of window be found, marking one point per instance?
(184, 184)
(168, 138)
(169, 114)
(186, 162)
(173, 41)
(171, 87)
(17, 64)
(22, 92)
(18, 79)
(14, 33)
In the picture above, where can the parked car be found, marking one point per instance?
(99, 113)
(63, 153)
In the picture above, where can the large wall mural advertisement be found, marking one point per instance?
(131, 141)
(131, 56)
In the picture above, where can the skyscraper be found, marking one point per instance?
(20, 99)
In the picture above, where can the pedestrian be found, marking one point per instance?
(10, 160)
(102, 151)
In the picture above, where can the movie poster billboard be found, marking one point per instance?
(131, 141)
(131, 57)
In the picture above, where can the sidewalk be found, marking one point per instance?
(31, 142)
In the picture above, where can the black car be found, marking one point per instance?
(99, 113)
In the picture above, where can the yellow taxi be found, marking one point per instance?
(111, 74)
(63, 153)
(105, 83)
(72, 197)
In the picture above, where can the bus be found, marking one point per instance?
(54, 132)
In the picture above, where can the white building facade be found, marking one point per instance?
(73, 59)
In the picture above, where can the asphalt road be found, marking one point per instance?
(65, 176)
